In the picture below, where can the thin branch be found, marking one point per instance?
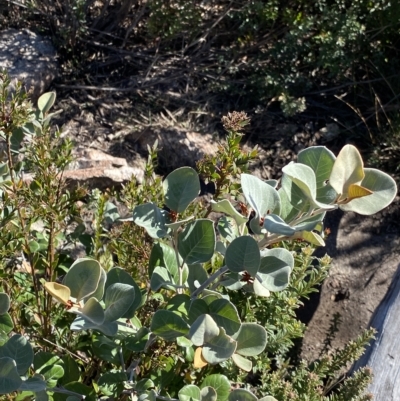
(206, 283)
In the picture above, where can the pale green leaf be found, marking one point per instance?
(275, 268)
(311, 237)
(118, 275)
(203, 330)
(162, 278)
(348, 169)
(304, 178)
(384, 190)
(261, 196)
(219, 348)
(83, 278)
(208, 394)
(224, 206)
(321, 160)
(189, 392)
(93, 311)
(107, 328)
(228, 228)
(163, 255)
(276, 225)
(259, 289)
(242, 362)
(4, 303)
(46, 101)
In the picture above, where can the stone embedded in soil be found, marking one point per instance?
(95, 169)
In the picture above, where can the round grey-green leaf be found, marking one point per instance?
(243, 255)
(189, 393)
(83, 278)
(152, 219)
(118, 299)
(168, 325)
(196, 243)
(276, 225)
(275, 268)
(93, 311)
(20, 350)
(261, 196)
(241, 394)
(203, 329)
(220, 384)
(208, 394)
(9, 378)
(242, 362)
(118, 275)
(46, 101)
(251, 339)
(219, 348)
(181, 187)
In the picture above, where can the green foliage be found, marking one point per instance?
(216, 297)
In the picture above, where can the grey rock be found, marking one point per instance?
(28, 57)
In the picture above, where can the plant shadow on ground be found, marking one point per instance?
(365, 252)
